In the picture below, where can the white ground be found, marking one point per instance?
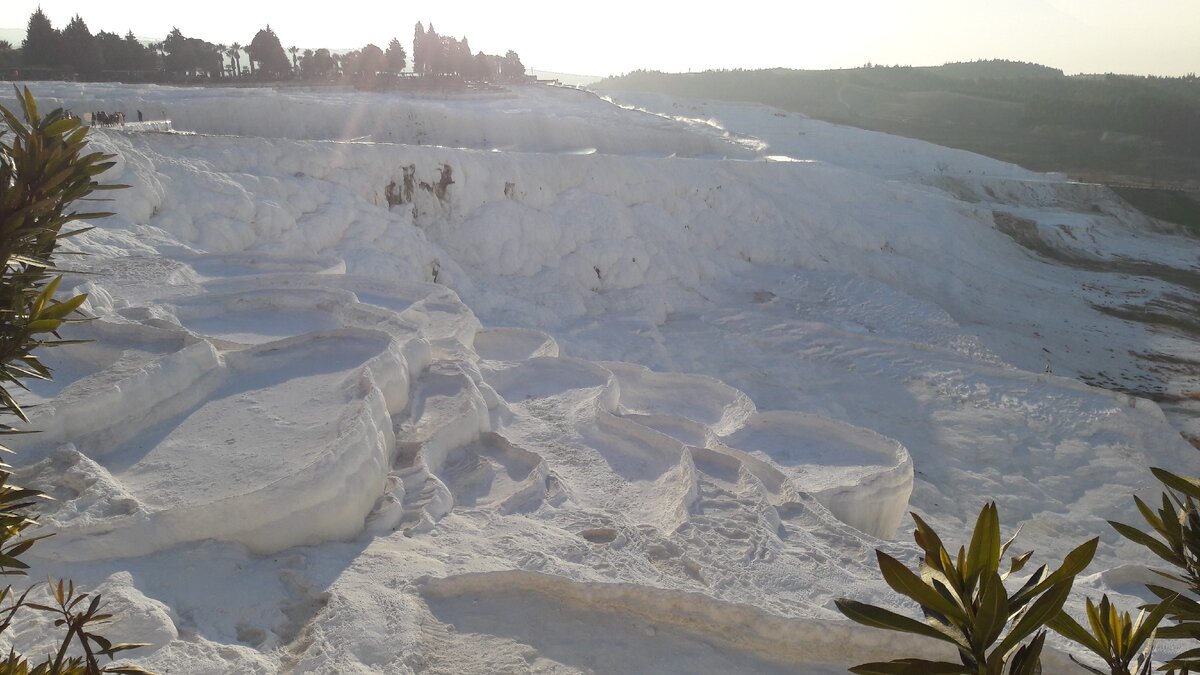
(635, 392)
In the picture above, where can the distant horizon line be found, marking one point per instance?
(906, 65)
(554, 71)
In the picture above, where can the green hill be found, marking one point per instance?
(1109, 128)
(995, 69)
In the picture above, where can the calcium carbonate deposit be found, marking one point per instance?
(545, 382)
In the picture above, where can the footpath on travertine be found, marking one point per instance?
(146, 125)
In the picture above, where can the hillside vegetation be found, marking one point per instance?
(1114, 129)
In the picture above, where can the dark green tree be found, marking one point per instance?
(462, 59)
(219, 59)
(371, 61)
(511, 67)
(305, 69)
(235, 58)
(323, 64)
(267, 51)
(192, 57)
(419, 49)
(79, 48)
(156, 50)
(350, 63)
(396, 58)
(40, 47)
(180, 54)
(435, 48)
(210, 58)
(486, 67)
(443, 55)
(138, 55)
(9, 57)
(177, 57)
(112, 51)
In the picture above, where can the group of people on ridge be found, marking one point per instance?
(101, 117)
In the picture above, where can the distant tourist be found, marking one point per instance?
(139, 115)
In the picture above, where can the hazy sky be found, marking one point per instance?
(1126, 36)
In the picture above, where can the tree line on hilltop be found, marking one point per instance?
(75, 52)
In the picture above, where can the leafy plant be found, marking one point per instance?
(966, 604)
(1177, 525)
(44, 171)
(1114, 637)
(79, 623)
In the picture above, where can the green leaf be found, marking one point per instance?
(12, 563)
(123, 646)
(72, 233)
(92, 215)
(1099, 625)
(61, 127)
(12, 493)
(28, 260)
(1138, 537)
(1188, 631)
(1187, 485)
(912, 667)
(926, 537)
(983, 556)
(1018, 563)
(877, 617)
(1074, 563)
(992, 614)
(1041, 611)
(1181, 604)
(77, 135)
(1151, 519)
(1149, 625)
(43, 326)
(1007, 544)
(905, 582)
(1067, 627)
(1028, 659)
(30, 104)
(936, 555)
(62, 309)
(12, 406)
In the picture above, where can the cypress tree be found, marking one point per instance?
(79, 48)
(419, 48)
(40, 47)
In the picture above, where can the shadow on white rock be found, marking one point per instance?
(291, 447)
(513, 344)
(863, 478)
(701, 399)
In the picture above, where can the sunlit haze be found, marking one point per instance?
(1147, 37)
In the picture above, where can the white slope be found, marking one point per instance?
(536, 382)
